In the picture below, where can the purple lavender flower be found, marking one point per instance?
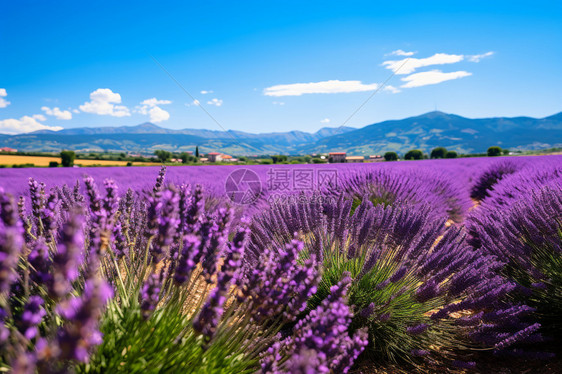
(270, 287)
(24, 363)
(32, 315)
(80, 333)
(321, 341)
(121, 247)
(11, 240)
(49, 216)
(417, 329)
(491, 176)
(208, 319)
(216, 239)
(37, 195)
(185, 263)
(191, 208)
(40, 263)
(519, 336)
(162, 222)
(427, 291)
(150, 293)
(69, 256)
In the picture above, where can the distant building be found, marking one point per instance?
(226, 158)
(8, 149)
(214, 157)
(176, 160)
(204, 159)
(335, 157)
(375, 158)
(353, 159)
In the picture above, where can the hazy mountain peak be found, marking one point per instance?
(425, 132)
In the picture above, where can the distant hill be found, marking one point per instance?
(454, 132)
(424, 132)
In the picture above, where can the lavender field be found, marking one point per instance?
(412, 266)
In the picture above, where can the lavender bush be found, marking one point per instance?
(425, 187)
(167, 277)
(491, 176)
(527, 237)
(111, 284)
(423, 294)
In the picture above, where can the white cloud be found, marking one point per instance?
(76, 111)
(477, 58)
(400, 52)
(152, 108)
(325, 120)
(60, 114)
(278, 103)
(204, 92)
(25, 124)
(391, 89)
(332, 86)
(409, 65)
(3, 102)
(154, 102)
(103, 102)
(215, 102)
(39, 117)
(431, 77)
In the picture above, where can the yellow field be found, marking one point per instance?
(44, 161)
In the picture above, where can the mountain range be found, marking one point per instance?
(424, 132)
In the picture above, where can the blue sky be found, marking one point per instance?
(274, 66)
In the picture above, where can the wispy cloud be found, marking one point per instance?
(152, 108)
(431, 77)
(331, 86)
(57, 112)
(205, 92)
(25, 124)
(103, 102)
(325, 120)
(215, 102)
(278, 103)
(409, 65)
(477, 58)
(3, 102)
(391, 89)
(400, 52)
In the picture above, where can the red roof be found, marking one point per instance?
(337, 153)
(213, 154)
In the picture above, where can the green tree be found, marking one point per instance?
(391, 156)
(451, 154)
(494, 151)
(162, 155)
(278, 158)
(505, 152)
(439, 152)
(53, 164)
(67, 158)
(197, 151)
(414, 154)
